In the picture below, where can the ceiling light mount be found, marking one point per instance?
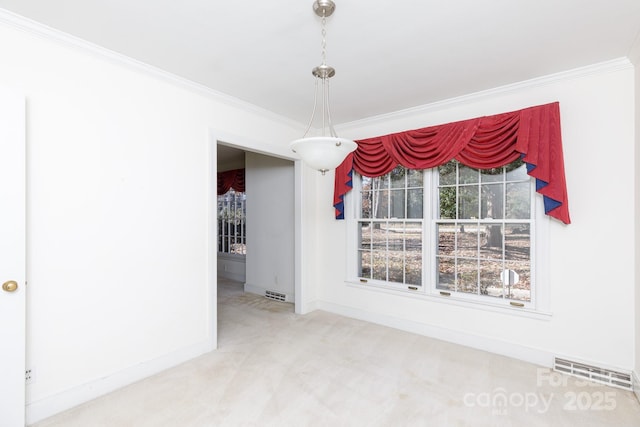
(323, 152)
(324, 8)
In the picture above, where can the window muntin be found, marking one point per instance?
(477, 235)
(232, 213)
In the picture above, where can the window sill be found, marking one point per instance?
(452, 300)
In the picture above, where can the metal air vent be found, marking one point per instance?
(276, 296)
(594, 373)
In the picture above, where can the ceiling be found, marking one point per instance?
(229, 157)
(388, 55)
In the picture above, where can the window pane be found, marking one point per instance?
(415, 178)
(380, 204)
(448, 202)
(468, 175)
(468, 276)
(380, 183)
(413, 236)
(517, 171)
(364, 264)
(379, 266)
(395, 236)
(413, 254)
(366, 198)
(492, 205)
(519, 200)
(366, 203)
(446, 239)
(492, 175)
(493, 240)
(379, 236)
(397, 203)
(468, 202)
(396, 267)
(521, 290)
(517, 242)
(364, 235)
(490, 281)
(468, 242)
(447, 173)
(446, 273)
(398, 177)
(415, 200)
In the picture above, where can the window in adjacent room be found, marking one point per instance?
(232, 226)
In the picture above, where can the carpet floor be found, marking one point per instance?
(276, 368)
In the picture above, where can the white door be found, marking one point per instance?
(12, 259)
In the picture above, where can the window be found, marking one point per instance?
(390, 227)
(232, 223)
(451, 231)
(483, 230)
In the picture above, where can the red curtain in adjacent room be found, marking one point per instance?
(231, 179)
(484, 142)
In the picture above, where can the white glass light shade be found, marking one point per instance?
(323, 152)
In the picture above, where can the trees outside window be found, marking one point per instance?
(483, 231)
(451, 230)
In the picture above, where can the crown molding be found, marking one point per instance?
(22, 23)
(594, 69)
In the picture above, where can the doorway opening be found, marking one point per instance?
(270, 264)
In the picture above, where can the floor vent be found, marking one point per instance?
(276, 296)
(594, 373)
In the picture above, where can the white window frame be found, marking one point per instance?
(537, 307)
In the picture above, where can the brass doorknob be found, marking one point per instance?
(10, 286)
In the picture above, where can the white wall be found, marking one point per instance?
(118, 182)
(592, 260)
(270, 225)
(232, 267)
(635, 57)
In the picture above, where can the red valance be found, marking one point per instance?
(482, 143)
(231, 179)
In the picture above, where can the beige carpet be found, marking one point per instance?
(275, 368)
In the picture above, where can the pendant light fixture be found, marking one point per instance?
(326, 151)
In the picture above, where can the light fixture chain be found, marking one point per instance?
(324, 40)
(324, 152)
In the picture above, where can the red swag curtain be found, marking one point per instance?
(484, 142)
(231, 179)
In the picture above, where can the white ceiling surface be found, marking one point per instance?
(389, 55)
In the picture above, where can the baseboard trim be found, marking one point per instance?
(236, 277)
(59, 402)
(492, 345)
(307, 307)
(635, 381)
